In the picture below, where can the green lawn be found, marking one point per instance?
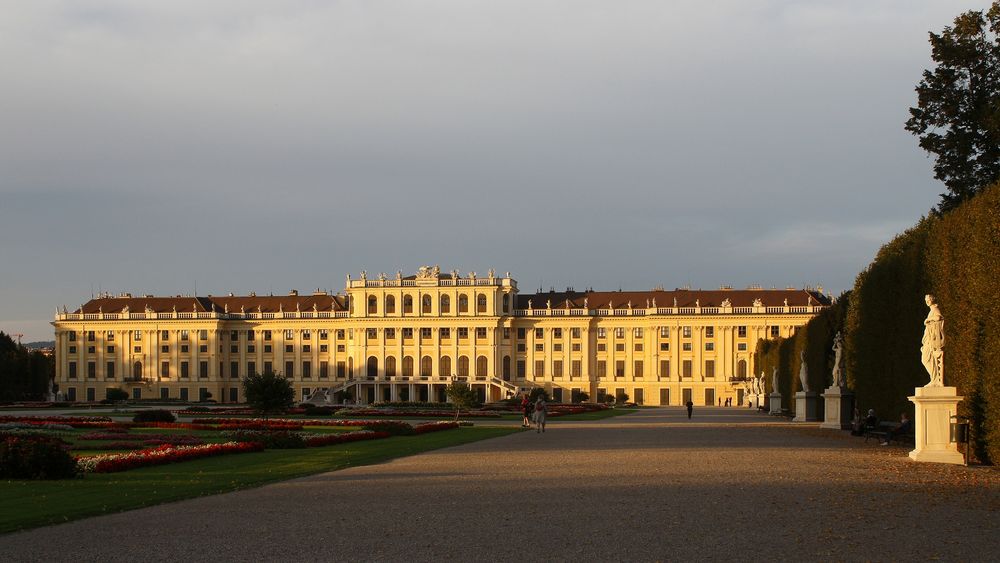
(29, 504)
(595, 415)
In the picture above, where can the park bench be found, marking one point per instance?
(883, 431)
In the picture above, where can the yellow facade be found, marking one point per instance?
(406, 338)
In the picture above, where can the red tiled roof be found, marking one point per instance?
(684, 297)
(267, 304)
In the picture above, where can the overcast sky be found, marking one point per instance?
(159, 147)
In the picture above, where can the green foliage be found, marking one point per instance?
(462, 396)
(318, 411)
(537, 392)
(268, 392)
(954, 257)
(24, 374)
(958, 105)
(272, 439)
(154, 415)
(115, 394)
(394, 427)
(35, 457)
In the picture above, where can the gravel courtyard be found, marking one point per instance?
(650, 486)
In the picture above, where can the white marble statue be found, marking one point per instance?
(932, 344)
(838, 371)
(803, 371)
(774, 379)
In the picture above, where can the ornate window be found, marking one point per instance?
(390, 367)
(407, 304)
(463, 366)
(372, 366)
(481, 303)
(445, 304)
(407, 366)
(481, 364)
(463, 303)
(390, 304)
(444, 366)
(372, 305)
(425, 304)
(426, 365)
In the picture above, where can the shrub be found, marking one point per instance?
(155, 415)
(394, 427)
(115, 394)
(35, 457)
(198, 409)
(318, 411)
(272, 440)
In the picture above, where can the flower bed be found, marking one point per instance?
(416, 413)
(55, 419)
(111, 463)
(434, 427)
(317, 440)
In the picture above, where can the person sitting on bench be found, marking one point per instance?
(905, 427)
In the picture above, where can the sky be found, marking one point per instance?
(233, 146)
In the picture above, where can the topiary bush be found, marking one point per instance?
(154, 415)
(394, 427)
(35, 457)
(272, 440)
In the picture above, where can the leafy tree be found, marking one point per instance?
(462, 396)
(957, 117)
(268, 392)
(24, 374)
(537, 392)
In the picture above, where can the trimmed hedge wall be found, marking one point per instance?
(955, 257)
(817, 339)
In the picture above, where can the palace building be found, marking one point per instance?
(408, 337)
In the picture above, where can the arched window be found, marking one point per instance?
(444, 367)
(390, 367)
(481, 303)
(425, 304)
(137, 370)
(506, 368)
(407, 304)
(506, 302)
(463, 303)
(372, 366)
(372, 305)
(350, 368)
(445, 304)
(741, 369)
(463, 366)
(481, 366)
(426, 365)
(390, 304)
(408, 366)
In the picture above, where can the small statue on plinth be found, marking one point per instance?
(838, 372)
(803, 372)
(932, 344)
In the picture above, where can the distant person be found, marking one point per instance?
(526, 410)
(857, 424)
(871, 421)
(690, 407)
(905, 427)
(541, 410)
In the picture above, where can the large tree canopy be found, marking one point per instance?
(958, 105)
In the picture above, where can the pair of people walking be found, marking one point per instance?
(534, 413)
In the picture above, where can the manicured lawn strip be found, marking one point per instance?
(29, 504)
(594, 415)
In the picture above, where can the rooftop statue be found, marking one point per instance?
(758, 303)
(727, 303)
(932, 344)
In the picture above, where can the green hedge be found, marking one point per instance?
(956, 257)
(817, 339)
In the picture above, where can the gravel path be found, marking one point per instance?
(651, 486)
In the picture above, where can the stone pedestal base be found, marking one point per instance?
(775, 399)
(806, 407)
(934, 408)
(839, 403)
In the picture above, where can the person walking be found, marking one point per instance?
(690, 407)
(526, 410)
(541, 410)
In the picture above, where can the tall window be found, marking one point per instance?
(137, 370)
(444, 366)
(425, 304)
(407, 366)
(463, 366)
(426, 365)
(664, 368)
(390, 366)
(390, 304)
(506, 302)
(620, 368)
(372, 305)
(620, 332)
(741, 331)
(539, 368)
(741, 368)
(407, 304)
(709, 332)
(664, 332)
(445, 304)
(481, 303)
(481, 366)
(637, 368)
(709, 368)
(506, 368)
(372, 367)
(463, 304)
(687, 368)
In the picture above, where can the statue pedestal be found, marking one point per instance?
(775, 399)
(934, 408)
(839, 403)
(806, 407)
